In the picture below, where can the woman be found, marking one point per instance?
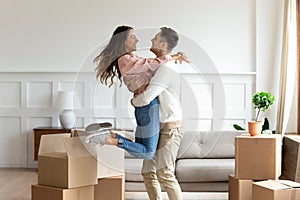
(117, 60)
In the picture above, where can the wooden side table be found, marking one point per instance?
(39, 131)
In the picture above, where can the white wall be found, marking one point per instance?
(59, 34)
(27, 102)
(236, 41)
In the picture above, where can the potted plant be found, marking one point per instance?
(261, 101)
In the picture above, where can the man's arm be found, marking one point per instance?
(159, 82)
(147, 96)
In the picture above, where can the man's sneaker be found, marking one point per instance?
(97, 138)
(98, 127)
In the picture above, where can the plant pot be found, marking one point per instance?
(255, 127)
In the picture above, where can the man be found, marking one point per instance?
(164, 84)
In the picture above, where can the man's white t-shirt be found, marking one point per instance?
(166, 85)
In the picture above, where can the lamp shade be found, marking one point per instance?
(67, 100)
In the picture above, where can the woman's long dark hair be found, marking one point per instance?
(107, 60)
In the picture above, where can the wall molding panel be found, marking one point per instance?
(27, 100)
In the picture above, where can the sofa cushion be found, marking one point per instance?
(133, 167)
(204, 170)
(208, 144)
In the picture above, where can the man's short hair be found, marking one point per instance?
(170, 36)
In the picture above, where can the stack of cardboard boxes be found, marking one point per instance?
(257, 169)
(70, 170)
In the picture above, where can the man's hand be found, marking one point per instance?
(140, 90)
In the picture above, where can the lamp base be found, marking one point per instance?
(67, 119)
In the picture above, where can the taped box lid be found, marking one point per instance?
(53, 143)
(63, 143)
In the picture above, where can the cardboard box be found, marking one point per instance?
(258, 157)
(72, 167)
(110, 158)
(275, 190)
(40, 192)
(110, 161)
(291, 157)
(53, 143)
(239, 189)
(112, 188)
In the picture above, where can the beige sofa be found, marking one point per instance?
(204, 161)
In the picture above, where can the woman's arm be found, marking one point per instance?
(132, 64)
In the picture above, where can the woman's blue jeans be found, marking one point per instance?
(147, 132)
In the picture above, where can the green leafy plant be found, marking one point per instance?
(238, 127)
(262, 101)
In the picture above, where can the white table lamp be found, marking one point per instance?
(67, 101)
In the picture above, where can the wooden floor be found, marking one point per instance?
(186, 196)
(15, 184)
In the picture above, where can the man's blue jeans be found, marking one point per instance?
(147, 132)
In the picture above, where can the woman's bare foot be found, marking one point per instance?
(113, 135)
(111, 141)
